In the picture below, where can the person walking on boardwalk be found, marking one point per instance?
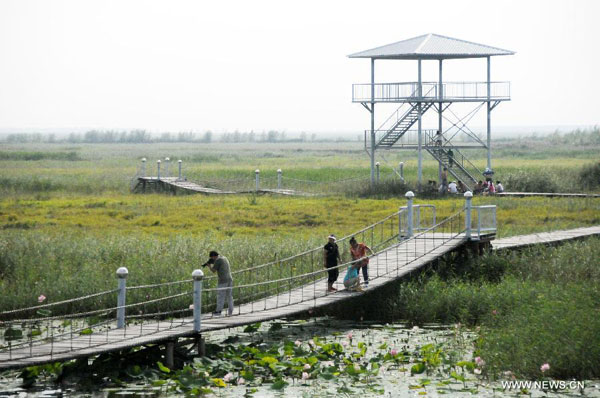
(358, 251)
(220, 265)
(331, 256)
(450, 158)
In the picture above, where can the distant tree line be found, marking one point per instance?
(110, 136)
(143, 136)
(578, 137)
(265, 136)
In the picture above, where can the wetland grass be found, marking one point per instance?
(533, 307)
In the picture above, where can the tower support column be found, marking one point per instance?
(489, 116)
(441, 97)
(372, 122)
(420, 131)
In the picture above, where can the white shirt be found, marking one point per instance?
(452, 188)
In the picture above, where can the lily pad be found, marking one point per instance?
(13, 334)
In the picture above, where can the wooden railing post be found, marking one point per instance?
(401, 167)
(409, 213)
(143, 172)
(197, 276)
(279, 172)
(468, 196)
(158, 168)
(179, 162)
(257, 173)
(122, 275)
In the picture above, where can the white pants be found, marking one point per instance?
(225, 290)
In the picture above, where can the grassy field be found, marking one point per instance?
(160, 238)
(533, 307)
(68, 221)
(157, 216)
(48, 170)
(66, 208)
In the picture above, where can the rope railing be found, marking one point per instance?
(402, 237)
(42, 330)
(290, 258)
(181, 282)
(254, 268)
(44, 306)
(155, 285)
(94, 312)
(279, 181)
(453, 226)
(317, 249)
(290, 278)
(258, 182)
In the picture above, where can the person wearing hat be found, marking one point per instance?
(331, 256)
(220, 265)
(452, 187)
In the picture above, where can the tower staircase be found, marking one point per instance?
(440, 148)
(453, 160)
(402, 125)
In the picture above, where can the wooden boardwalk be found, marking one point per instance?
(389, 265)
(174, 183)
(516, 242)
(547, 195)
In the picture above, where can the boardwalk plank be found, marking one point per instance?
(192, 186)
(515, 242)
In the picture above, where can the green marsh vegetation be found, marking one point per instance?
(67, 247)
(77, 218)
(540, 305)
(555, 163)
(68, 221)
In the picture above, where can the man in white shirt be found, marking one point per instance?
(452, 188)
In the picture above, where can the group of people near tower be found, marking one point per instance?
(453, 187)
(486, 187)
(360, 260)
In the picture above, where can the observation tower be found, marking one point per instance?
(416, 98)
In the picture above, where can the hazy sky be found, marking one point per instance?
(197, 65)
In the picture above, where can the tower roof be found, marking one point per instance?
(431, 46)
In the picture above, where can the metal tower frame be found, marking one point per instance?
(420, 96)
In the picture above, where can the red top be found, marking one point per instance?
(359, 252)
